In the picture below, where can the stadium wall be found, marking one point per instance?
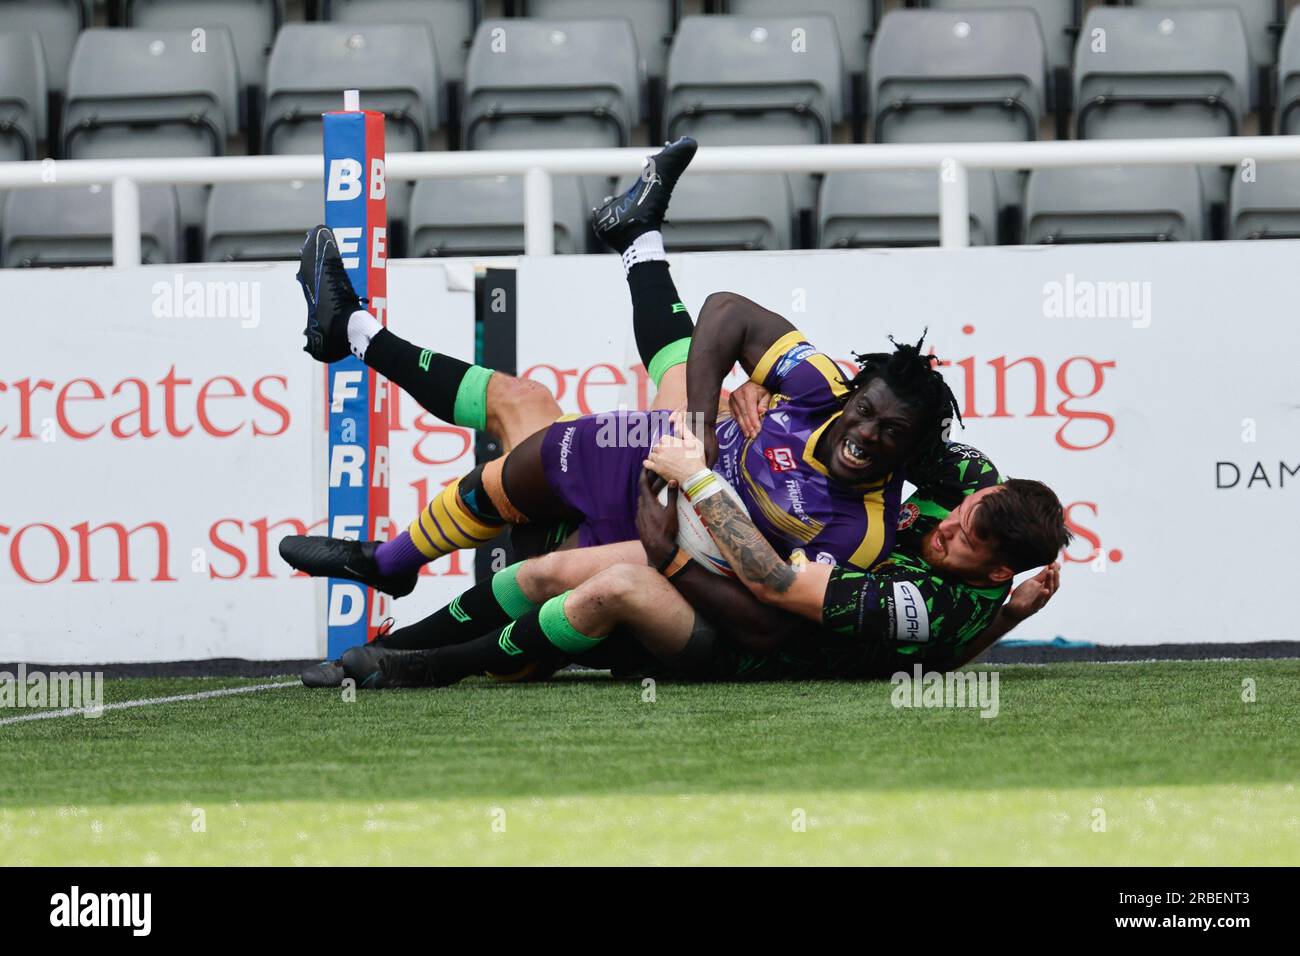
(1153, 386)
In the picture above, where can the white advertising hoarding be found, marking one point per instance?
(155, 447)
(161, 430)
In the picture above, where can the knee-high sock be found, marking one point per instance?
(660, 321)
(545, 635)
(447, 524)
(483, 609)
(453, 390)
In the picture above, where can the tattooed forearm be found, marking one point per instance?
(748, 551)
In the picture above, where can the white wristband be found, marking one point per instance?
(701, 485)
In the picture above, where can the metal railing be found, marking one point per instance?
(950, 162)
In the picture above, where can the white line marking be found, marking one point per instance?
(145, 702)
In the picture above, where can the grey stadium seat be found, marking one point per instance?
(248, 222)
(738, 211)
(1114, 204)
(1163, 73)
(551, 83)
(854, 21)
(147, 93)
(1056, 17)
(144, 93)
(450, 23)
(652, 22)
(57, 22)
(22, 96)
(484, 216)
(743, 80)
(394, 67)
(899, 208)
(1268, 207)
(73, 226)
(957, 76)
(252, 25)
(1288, 77)
(1258, 17)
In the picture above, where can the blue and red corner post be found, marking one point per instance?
(356, 398)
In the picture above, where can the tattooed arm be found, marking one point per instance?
(772, 580)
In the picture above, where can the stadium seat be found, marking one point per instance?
(899, 208)
(855, 21)
(485, 217)
(1258, 16)
(57, 22)
(739, 211)
(957, 76)
(1267, 205)
(252, 25)
(148, 93)
(1055, 17)
(652, 22)
(259, 221)
(551, 83)
(1288, 77)
(1162, 73)
(73, 226)
(394, 67)
(754, 80)
(23, 96)
(1114, 204)
(450, 23)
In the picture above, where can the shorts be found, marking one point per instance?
(593, 464)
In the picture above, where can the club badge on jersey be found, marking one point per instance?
(356, 210)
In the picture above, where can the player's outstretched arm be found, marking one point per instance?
(731, 329)
(1027, 599)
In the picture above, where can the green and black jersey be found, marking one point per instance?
(901, 612)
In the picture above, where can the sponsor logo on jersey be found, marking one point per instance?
(825, 557)
(780, 459)
(907, 515)
(795, 492)
(908, 618)
(792, 358)
(566, 446)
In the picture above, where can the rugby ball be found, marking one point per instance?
(693, 534)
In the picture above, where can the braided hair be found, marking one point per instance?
(912, 376)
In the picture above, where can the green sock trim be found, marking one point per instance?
(505, 588)
(674, 353)
(558, 630)
(470, 410)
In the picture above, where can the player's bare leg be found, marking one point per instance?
(565, 627)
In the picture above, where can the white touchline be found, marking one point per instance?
(146, 702)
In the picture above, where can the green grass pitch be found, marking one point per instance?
(1159, 763)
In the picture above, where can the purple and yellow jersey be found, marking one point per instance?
(788, 493)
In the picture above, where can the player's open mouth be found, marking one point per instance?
(854, 456)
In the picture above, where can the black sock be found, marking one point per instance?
(453, 390)
(483, 609)
(659, 318)
(501, 652)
